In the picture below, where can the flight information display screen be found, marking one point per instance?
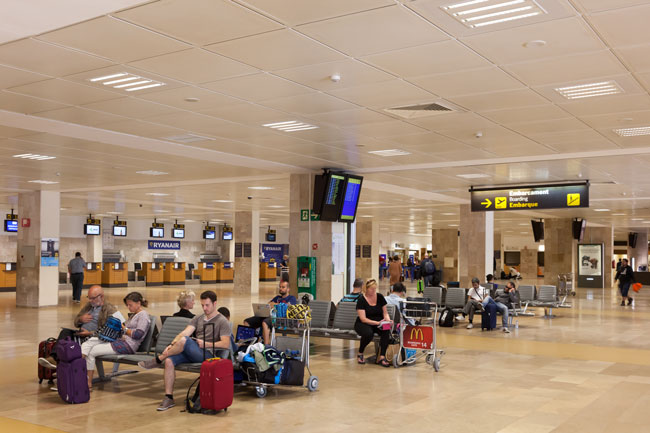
(351, 199)
(333, 197)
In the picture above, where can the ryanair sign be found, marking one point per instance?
(418, 337)
(164, 245)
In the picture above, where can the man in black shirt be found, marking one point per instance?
(625, 277)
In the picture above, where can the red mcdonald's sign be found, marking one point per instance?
(418, 337)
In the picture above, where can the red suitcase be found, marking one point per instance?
(216, 384)
(45, 349)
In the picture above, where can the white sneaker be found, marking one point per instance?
(460, 317)
(506, 330)
(470, 326)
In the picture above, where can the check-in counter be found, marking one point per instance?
(7, 277)
(174, 273)
(267, 271)
(93, 274)
(207, 273)
(225, 272)
(153, 273)
(115, 275)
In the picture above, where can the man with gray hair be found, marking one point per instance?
(477, 297)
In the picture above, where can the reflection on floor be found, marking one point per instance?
(585, 370)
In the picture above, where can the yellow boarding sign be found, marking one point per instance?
(573, 199)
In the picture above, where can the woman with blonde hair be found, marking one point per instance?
(373, 315)
(185, 302)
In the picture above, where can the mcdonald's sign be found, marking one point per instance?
(417, 337)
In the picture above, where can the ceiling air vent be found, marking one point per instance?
(422, 110)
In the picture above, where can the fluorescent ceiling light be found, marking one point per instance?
(390, 152)
(618, 214)
(151, 172)
(222, 201)
(114, 213)
(157, 194)
(189, 221)
(473, 175)
(601, 210)
(590, 90)
(127, 81)
(132, 84)
(480, 13)
(34, 156)
(108, 77)
(261, 188)
(148, 86)
(44, 182)
(452, 225)
(636, 219)
(290, 126)
(161, 211)
(633, 132)
(276, 206)
(448, 213)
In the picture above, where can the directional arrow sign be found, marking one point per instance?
(487, 203)
(530, 197)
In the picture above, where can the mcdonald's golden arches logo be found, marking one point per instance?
(417, 333)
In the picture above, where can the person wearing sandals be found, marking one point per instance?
(372, 311)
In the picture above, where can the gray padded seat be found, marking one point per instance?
(526, 294)
(320, 313)
(344, 318)
(546, 295)
(455, 298)
(434, 294)
(143, 352)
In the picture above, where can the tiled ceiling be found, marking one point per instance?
(230, 67)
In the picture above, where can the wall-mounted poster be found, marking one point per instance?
(589, 260)
(49, 252)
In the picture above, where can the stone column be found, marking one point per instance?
(368, 235)
(37, 283)
(305, 235)
(247, 269)
(476, 252)
(640, 251)
(94, 247)
(604, 235)
(559, 249)
(498, 246)
(444, 248)
(528, 263)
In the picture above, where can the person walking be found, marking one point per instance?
(76, 268)
(625, 277)
(428, 270)
(395, 270)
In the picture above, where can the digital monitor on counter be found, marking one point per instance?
(92, 229)
(156, 232)
(209, 234)
(270, 237)
(226, 236)
(178, 234)
(119, 230)
(11, 226)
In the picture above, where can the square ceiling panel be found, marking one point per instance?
(468, 82)
(350, 72)
(437, 58)
(601, 5)
(350, 118)
(637, 57)
(81, 116)
(11, 77)
(194, 66)
(509, 116)
(258, 87)
(387, 129)
(309, 104)
(143, 129)
(374, 31)
(281, 49)
(612, 104)
(26, 104)
(131, 107)
(48, 59)
(294, 12)
(386, 94)
(246, 113)
(190, 98)
(557, 125)
(114, 39)
(65, 92)
(200, 22)
(622, 27)
(499, 100)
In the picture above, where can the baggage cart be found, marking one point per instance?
(417, 334)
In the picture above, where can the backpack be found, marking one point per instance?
(193, 404)
(446, 319)
(429, 267)
(299, 311)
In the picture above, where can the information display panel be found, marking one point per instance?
(527, 197)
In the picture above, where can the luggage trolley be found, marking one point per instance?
(417, 333)
(297, 347)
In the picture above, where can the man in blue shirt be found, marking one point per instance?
(282, 298)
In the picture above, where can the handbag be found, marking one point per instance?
(112, 330)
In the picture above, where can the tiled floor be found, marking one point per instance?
(586, 370)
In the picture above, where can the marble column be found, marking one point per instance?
(604, 235)
(37, 283)
(247, 269)
(309, 238)
(476, 251)
(528, 263)
(640, 252)
(559, 249)
(368, 235)
(94, 247)
(498, 246)
(444, 250)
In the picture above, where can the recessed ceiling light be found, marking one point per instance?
(601, 210)
(114, 213)
(390, 152)
(534, 44)
(452, 225)
(187, 138)
(108, 77)
(192, 99)
(151, 172)
(479, 13)
(473, 175)
(127, 81)
(157, 194)
(44, 182)
(63, 208)
(222, 201)
(161, 211)
(34, 156)
(448, 213)
(276, 206)
(290, 126)
(618, 214)
(261, 188)
(636, 219)
(590, 90)
(162, 219)
(633, 132)
(189, 221)
(523, 224)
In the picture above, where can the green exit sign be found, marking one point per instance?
(305, 215)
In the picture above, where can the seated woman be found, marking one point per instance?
(185, 302)
(371, 308)
(135, 329)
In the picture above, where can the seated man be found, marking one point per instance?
(477, 297)
(490, 280)
(184, 349)
(506, 300)
(356, 292)
(91, 317)
(282, 298)
(397, 294)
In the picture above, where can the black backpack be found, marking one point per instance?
(429, 267)
(193, 404)
(446, 319)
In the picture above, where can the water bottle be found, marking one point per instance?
(516, 324)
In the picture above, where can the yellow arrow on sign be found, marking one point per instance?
(487, 203)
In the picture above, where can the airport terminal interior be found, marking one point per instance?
(193, 145)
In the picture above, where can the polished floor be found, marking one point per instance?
(587, 370)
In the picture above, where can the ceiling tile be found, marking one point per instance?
(246, 113)
(386, 129)
(350, 118)
(141, 128)
(114, 39)
(309, 104)
(526, 114)
(614, 104)
(438, 58)
(177, 98)
(383, 29)
(281, 49)
(194, 66)
(386, 94)
(626, 26)
(600, 5)
(350, 71)
(298, 12)
(65, 92)
(499, 100)
(560, 70)
(25, 104)
(81, 116)
(257, 87)
(637, 57)
(454, 120)
(468, 82)
(131, 107)
(618, 120)
(48, 59)
(11, 77)
(556, 125)
(200, 22)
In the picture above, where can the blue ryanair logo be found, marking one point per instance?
(164, 245)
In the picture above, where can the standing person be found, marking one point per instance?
(428, 269)
(371, 308)
(76, 268)
(395, 270)
(618, 265)
(625, 277)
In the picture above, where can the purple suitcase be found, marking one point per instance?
(72, 381)
(68, 350)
